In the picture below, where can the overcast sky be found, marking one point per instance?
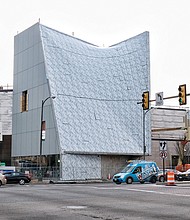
(106, 22)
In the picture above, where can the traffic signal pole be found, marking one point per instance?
(145, 106)
(144, 135)
(144, 146)
(169, 97)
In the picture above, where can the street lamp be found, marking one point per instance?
(42, 112)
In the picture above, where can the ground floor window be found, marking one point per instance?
(50, 165)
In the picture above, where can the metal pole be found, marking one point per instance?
(144, 144)
(42, 113)
(42, 107)
(164, 169)
(144, 147)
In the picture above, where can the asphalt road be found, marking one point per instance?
(104, 201)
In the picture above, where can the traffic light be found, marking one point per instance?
(145, 100)
(182, 94)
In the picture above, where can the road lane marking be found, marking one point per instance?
(156, 192)
(142, 190)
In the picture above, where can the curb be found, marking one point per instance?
(49, 181)
(36, 181)
(75, 181)
(175, 183)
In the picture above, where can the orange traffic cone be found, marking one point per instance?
(109, 176)
(170, 178)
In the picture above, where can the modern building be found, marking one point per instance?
(94, 124)
(170, 126)
(6, 95)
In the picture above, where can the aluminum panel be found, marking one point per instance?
(80, 167)
(97, 90)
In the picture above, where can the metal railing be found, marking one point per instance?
(44, 172)
(70, 172)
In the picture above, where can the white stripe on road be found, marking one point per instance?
(162, 193)
(143, 190)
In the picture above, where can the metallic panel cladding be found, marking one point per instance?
(97, 91)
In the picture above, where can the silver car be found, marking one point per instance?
(3, 179)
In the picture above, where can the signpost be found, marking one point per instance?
(163, 154)
(1, 131)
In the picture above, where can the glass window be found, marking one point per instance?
(24, 101)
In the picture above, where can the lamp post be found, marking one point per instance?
(42, 113)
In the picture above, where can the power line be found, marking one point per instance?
(98, 99)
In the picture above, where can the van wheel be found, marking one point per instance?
(129, 180)
(0, 183)
(153, 179)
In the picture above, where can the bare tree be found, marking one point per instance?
(183, 149)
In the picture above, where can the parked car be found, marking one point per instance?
(162, 176)
(184, 176)
(3, 179)
(137, 171)
(17, 177)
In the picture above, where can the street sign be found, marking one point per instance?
(159, 98)
(163, 154)
(163, 146)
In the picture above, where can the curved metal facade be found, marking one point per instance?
(97, 90)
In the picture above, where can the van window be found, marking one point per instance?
(127, 169)
(137, 170)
